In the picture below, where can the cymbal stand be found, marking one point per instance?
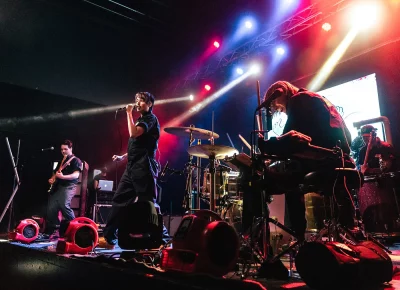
(187, 201)
(212, 171)
(198, 178)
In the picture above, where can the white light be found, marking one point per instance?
(280, 51)
(365, 16)
(248, 24)
(239, 71)
(255, 69)
(191, 97)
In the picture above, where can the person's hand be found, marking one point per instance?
(59, 175)
(118, 157)
(129, 108)
(51, 180)
(295, 136)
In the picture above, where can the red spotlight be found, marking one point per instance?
(326, 26)
(207, 87)
(216, 44)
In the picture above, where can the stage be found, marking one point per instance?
(38, 266)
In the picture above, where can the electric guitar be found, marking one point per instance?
(53, 179)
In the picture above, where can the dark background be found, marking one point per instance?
(59, 56)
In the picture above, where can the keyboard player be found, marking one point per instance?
(311, 118)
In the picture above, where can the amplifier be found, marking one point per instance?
(101, 213)
(105, 196)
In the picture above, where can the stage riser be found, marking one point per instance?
(32, 269)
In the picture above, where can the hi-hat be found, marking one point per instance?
(197, 133)
(215, 151)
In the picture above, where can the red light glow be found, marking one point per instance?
(216, 44)
(207, 87)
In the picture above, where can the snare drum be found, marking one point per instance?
(378, 204)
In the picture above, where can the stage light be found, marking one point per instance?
(248, 24)
(255, 69)
(365, 15)
(216, 44)
(191, 97)
(239, 71)
(280, 51)
(207, 87)
(326, 26)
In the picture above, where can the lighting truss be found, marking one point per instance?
(300, 21)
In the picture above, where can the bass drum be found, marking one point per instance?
(378, 204)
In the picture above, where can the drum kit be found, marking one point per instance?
(219, 188)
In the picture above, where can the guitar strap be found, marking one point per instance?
(62, 167)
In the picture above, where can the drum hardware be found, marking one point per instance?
(213, 153)
(378, 203)
(193, 133)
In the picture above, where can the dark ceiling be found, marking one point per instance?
(102, 50)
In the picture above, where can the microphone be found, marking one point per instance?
(48, 149)
(267, 102)
(164, 170)
(124, 108)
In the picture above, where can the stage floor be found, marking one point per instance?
(38, 260)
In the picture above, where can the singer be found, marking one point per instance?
(138, 183)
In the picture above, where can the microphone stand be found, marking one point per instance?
(11, 213)
(17, 180)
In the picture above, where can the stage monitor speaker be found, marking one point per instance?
(140, 227)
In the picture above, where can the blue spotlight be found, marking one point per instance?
(248, 24)
(280, 50)
(239, 71)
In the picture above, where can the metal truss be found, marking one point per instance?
(298, 22)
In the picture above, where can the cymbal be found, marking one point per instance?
(197, 133)
(208, 150)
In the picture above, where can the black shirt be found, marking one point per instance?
(142, 150)
(313, 115)
(74, 165)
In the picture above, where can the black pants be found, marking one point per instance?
(60, 200)
(130, 190)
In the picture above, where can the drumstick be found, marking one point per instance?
(230, 140)
(245, 142)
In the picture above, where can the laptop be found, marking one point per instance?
(106, 185)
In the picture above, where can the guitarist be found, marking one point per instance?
(380, 154)
(63, 186)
